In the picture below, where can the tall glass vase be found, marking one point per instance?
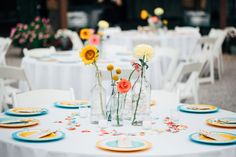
(98, 100)
(141, 93)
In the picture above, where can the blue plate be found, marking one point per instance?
(187, 108)
(19, 136)
(199, 139)
(74, 106)
(13, 112)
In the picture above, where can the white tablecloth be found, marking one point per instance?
(76, 75)
(77, 144)
(183, 42)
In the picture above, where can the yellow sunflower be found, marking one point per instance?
(85, 33)
(144, 14)
(89, 54)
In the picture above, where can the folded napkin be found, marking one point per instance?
(226, 121)
(42, 134)
(213, 135)
(29, 110)
(198, 107)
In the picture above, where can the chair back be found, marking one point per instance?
(39, 52)
(220, 37)
(4, 46)
(42, 97)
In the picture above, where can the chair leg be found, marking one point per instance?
(212, 73)
(219, 68)
(222, 63)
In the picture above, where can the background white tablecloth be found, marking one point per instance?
(183, 42)
(77, 144)
(80, 77)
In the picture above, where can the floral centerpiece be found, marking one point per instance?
(154, 21)
(36, 34)
(141, 88)
(89, 56)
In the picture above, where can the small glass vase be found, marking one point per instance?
(117, 109)
(98, 100)
(141, 93)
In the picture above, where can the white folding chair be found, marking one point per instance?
(217, 50)
(39, 52)
(12, 73)
(203, 53)
(77, 44)
(4, 46)
(185, 81)
(165, 61)
(2, 96)
(42, 97)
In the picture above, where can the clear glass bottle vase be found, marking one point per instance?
(117, 109)
(141, 93)
(98, 100)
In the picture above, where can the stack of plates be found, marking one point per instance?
(27, 111)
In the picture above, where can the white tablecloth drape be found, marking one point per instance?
(78, 144)
(183, 42)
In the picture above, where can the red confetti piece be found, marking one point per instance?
(85, 131)
(71, 129)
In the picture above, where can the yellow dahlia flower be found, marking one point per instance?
(89, 54)
(118, 71)
(143, 14)
(103, 24)
(144, 51)
(110, 67)
(158, 11)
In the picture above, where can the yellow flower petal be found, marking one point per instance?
(118, 71)
(110, 67)
(115, 77)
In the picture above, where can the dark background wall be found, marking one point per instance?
(14, 11)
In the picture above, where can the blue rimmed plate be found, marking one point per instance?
(196, 137)
(72, 104)
(24, 135)
(198, 108)
(15, 122)
(225, 122)
(112, 145)
(26, 111)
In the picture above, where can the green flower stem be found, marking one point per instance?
(100, 88)
(139, 94)
(117, 110)
(129, 80)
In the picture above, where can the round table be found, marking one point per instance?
(78, 144)
(183, 42)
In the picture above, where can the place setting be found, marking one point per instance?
(14, 122)
(26, 111)
(38, 135)
(73, 104)
(224, 122)
(213, 137)
(123, 144)
(198, 108)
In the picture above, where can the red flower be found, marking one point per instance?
(94, 39)
(123, 86)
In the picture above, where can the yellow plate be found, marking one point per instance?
(215, 122)
(140, 145)
(30, 122)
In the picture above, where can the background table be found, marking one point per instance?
(183, 42)
(77, 144)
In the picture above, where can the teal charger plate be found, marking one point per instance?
(195, 138)
(16, 136)
(43, 112)
(184, 109)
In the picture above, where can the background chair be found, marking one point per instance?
(203, 53)
(42, 97)
(4, 46)
(220, 36)
(12, 73)
(187, 29)
(39, 52)
(185, 81)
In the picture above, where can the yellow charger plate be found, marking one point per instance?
(111, 145)
(27, 122)
(220, 122)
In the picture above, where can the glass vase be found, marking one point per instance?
(117, 109)
(141, 93)
(98, 100)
